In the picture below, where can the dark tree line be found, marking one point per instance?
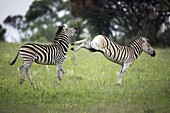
(118, 19)
(130, 18)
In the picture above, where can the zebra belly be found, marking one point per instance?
(121, 61)
(50, 61)
(45, 61)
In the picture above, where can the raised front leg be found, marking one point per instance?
(122, 72)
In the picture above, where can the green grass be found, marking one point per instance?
(89, 85)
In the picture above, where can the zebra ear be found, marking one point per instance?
(145, 39)
(62, 26)
(59, 29)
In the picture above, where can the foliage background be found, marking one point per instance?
(90, 87)
(122, 21)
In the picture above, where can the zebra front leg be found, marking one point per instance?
(122, 72)
(58, 70)
(22, 79)
(62, 70)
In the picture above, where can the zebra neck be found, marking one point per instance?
(137, 51)
(137, 47)
(61, 38)
(63, 43)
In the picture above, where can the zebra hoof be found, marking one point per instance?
(118, 84)
(57, 82)
(72, 49)
(59, 79)
(33, 87)
(72, 44)
(21, 81)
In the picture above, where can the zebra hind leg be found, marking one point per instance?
(26, 66)
(78, 48)
(78, 42)
(84, 44)
(29, 77)
(22, 74)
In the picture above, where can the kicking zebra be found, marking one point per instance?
(53, 54)
(122, 55)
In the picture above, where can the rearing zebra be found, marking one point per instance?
(123, 55)
(53, 54)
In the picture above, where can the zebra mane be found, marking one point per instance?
(136, 45)
(135, 41)
(60, 35)
(59, 30)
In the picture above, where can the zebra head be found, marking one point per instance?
(70, 31)
(67, 31)
(147, 48)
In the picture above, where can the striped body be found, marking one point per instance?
(115, 52)
(53, 54)
(123, 55)
(44, 54)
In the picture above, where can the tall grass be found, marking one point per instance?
(88, 86)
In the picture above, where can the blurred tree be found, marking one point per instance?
(165, 35)
(42, 17)
(127, 17)
(2, 33)
(16, 21)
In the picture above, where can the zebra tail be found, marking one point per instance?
(14, 59)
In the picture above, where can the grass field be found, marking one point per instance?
(89, 85)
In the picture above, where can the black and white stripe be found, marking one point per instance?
(53, 54)
(123, 55)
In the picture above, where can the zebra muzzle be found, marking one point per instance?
(153, 53)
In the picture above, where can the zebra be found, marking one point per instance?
(122, 55)
(52, 54)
